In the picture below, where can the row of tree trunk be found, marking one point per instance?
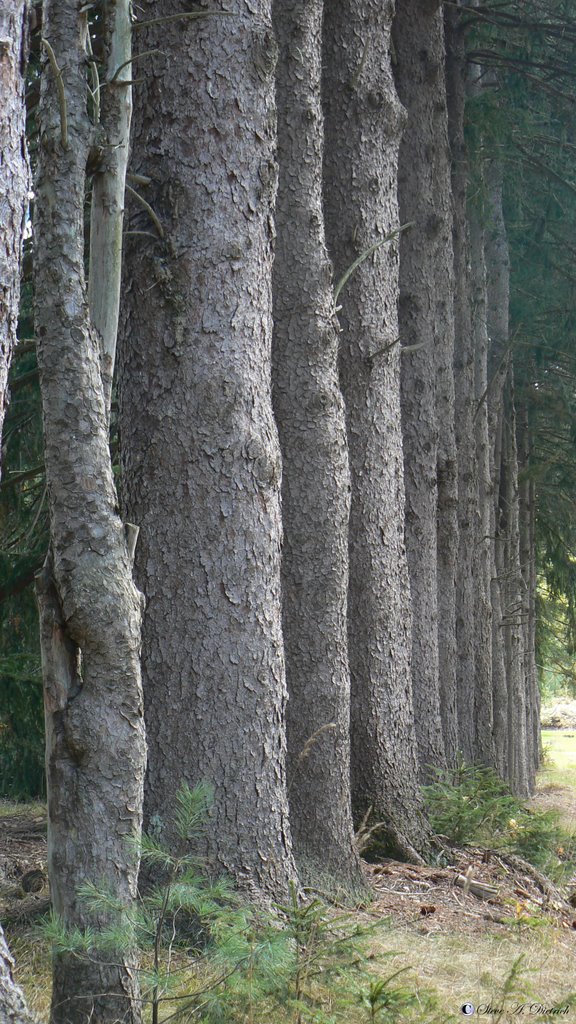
(319, 441)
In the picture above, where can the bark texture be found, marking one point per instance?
(426, 311)
(200, 452)
(90, 610)
(364, 122)
(13, 1009)
(14, 179)
(315, 477)
(489, 704)
(465, 398)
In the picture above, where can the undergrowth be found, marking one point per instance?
(471, 805)
(206, 955)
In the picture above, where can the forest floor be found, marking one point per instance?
(459, 928)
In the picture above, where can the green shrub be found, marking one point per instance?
(471, 805)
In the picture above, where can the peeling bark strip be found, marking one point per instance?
(200, 452)
(315, 479)
(90, 610)
(364, 122)
(13, 1009)
(14, 179)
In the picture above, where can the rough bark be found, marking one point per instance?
(90, 610)
(497, 263)
(13, 1009)
(426, 269)
(467, 623)
(14, 179)
(315, 473)
(200, 452)
(528, 613)
(363, 126)
(488, 708)
(504, 472)
(513, 607)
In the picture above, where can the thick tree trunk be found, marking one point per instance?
(13, 1009)
(467, 624)
(14, 179)
(200, 452)
(89, 608)
(426, 321)
(363, 126)
(315, 477)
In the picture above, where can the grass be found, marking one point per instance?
(12, 809)
(557, 777)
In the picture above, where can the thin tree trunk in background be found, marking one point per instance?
(14, 179)
(363, 126)
(90, 611)
(489, 706)
(465, 327)
(497, 263)
(426, 310)
(200, 453)
(527, 565)
(514, 603)
(315, 473)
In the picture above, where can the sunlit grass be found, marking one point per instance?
(11, 809)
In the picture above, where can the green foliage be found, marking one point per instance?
(209, 956)
(471, 805)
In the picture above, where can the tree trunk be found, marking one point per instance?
(13, 1009)
(90, 610)
(528, 568)
(497, 263)
(467, 623)
(489, 707)
(200, 452)
(514, 595)
(14, 179)
(426, 311)
(363, 126)
(315, 478)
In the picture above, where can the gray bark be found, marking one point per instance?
(513, 607)
(90, 610)
(504, 471)
(363, 126)
(425, 320)
(528, 567)
(465, 337)
(488, 708)
(315, 477)
(200, 452)
(497, 263)
(14, 179)
(13, 1009)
